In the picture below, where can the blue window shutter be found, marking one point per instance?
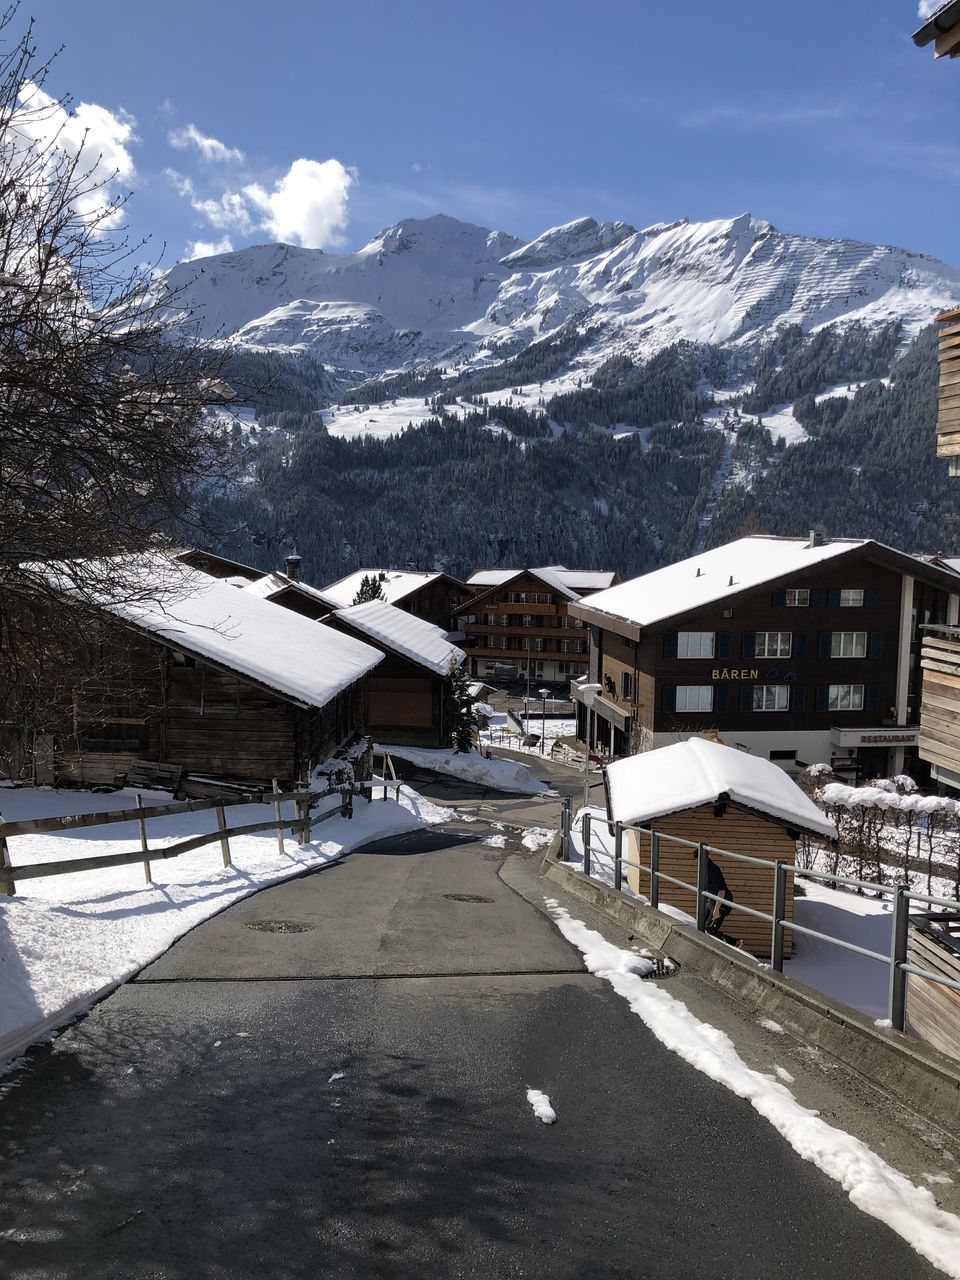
(779, 599)
(720, 698)
(871, 598)
(833, 598)
(746, 697)
(670, 644)
(871, 697)
(824, 643)
(748, 644)
(798, 698)
(875, 645)
(722, 647)
(668, 697)
(800, 644)
(823, 697)
(818, 598)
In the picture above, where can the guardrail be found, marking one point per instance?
(895, 958)
(303, 822)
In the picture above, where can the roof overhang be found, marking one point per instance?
(943, 30)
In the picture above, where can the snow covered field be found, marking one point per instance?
(68, 939)
(497, 735)
(471, 766)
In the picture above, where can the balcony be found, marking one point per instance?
(940, 702)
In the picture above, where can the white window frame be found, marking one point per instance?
(539, 645)
(851, 597)
(848, 644)
(798, 597)
(852, 694)
(504, 619)
(782, 646)
(696, 699)
(771, 697)
(696, 644)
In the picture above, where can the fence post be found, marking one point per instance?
(779, 910)
(655, 869)
(279, 816)
(142, 824)
(303, 813)
(618, 856)
(566, 830)
(8, 887)
(224, 840)
(346, 801)
(586, 831)
(898, 956)
(702, 902)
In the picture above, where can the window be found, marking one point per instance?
(522, 597)
(526, 620)
(563, 622)
(540, 645)
(851, 597)
(694, 644)
(548, 599)
(578, 622)
(504, 642)
(773, 644)
(580, 646)
(845, 697)
(525, 643)
(694, 697)
(504, 619)
(783, 755)
(771, 697)
(491, 619)
(564, 646)
(626, 685)
(798, 597)
(848, 644)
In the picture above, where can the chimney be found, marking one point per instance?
(382, 576)
(816, 538)
(293, 566)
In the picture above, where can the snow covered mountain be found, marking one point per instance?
(442, 291)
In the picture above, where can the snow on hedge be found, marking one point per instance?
(882, 795)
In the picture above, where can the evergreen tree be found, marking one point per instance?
(369, 589)
(458, 714)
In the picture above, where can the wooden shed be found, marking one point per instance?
(207, 677)
(702, 791)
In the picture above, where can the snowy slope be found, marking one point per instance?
(438, 290)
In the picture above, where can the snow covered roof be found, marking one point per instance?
(568, 582)
(272, 584)
(396, 585)
(696, 772)
(725, 571)
(414, 637)
(303, 660)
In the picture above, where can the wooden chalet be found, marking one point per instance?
(210, 679)
(435, 597)
(404, 699)
(942, 30)
(948, 409)
(702, 791)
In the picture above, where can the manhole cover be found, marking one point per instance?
(466, 897)
(279, 926)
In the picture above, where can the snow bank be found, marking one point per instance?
(69, 939)
(872, 1185)
(498, 774)
(541, 1106)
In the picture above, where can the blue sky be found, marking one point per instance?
(322, 123)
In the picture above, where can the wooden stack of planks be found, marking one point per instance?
(948, 416)
(933, 1010)
(940, 704)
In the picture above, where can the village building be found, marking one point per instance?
(199, 675)
(404, 699)
(796, 650)
(942, 30)
(435, 597)
(700, 791)
(517, 627)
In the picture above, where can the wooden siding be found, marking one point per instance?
(933, 1011)
(737, 831)
(948, 413)
(940, 706)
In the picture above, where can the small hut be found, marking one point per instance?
(703, 791)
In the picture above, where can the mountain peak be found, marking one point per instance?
(583, 237)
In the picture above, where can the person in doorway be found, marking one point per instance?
(717, 912)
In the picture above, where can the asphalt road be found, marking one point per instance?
(346, 1097)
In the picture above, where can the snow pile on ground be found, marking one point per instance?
(498, 735)
(498, 774)
(872, 1185)
(541, 1106)
(535, 838)
(66, 940)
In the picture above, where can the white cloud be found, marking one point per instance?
(206, 248)
(99, 136)
(308, 205)
(209, 148)
(231, 210)
(927, 8)
(181, 184)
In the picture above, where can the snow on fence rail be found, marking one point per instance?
(304, 821)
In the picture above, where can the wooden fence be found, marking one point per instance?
(303, 823)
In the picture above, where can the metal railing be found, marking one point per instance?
(779, 922)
